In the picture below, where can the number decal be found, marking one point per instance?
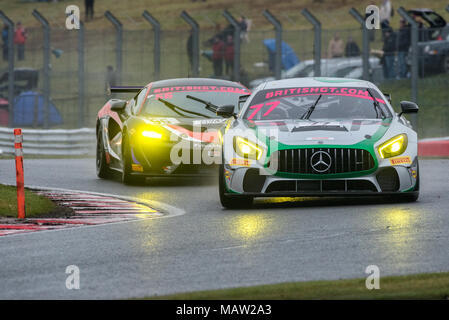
(274, 104)
(257, 107)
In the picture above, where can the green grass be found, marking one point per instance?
(420, 286)
(35, 205)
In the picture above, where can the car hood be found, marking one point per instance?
(305, 132)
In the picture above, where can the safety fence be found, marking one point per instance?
(53, 142)
(75, 84)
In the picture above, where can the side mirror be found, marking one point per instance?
(226, 111)
(242, 100)
(408, 107)
(118, 105)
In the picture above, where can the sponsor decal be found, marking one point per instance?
(240, 162)
(201, 88)
(209, 121)
(400, 160)
(136, 167)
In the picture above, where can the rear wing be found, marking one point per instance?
(124, 89)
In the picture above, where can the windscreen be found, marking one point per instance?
(190, 101)
(302, 103)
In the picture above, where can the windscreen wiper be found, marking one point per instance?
(309, 111)
(174, 107)
(376, 105)
(209, 106)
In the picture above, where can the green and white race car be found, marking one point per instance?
(317, 137)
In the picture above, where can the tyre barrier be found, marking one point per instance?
(53, 142)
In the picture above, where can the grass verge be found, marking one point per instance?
(35, 205)
(419, 286)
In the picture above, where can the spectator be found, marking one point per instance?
(217, 56)
(5, 37)
(19, 41)
(243, 28)
(336, 47)
(403, 46)
(352, 49)
(229, 55)
(89, 7)
(389, 48)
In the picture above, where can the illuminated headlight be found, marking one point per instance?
(393, 147)
(247, 149)
(151, 134)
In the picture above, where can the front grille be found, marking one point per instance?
(323, 160)
(319, 186)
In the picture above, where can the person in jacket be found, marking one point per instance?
(218, 48)
(352, 49)
(403, 47)
(389, 49)
(229, 55)
(19, 41)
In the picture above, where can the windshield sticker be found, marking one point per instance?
(202, 88)
(303, 91)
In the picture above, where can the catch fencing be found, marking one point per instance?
(75, 79)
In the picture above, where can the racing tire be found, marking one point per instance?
(103, 170)
(231, 202)
(127, 177)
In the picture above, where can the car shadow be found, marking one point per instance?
(309, 202)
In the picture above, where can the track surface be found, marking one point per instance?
(209, 247)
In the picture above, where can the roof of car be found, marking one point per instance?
(316, 82)
(195, 82)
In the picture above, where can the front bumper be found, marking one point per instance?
(160, 160)
(385, 180)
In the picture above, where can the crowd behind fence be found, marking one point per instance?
(76, 66)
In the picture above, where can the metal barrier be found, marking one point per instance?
(55, 142)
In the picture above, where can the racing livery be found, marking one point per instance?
(317, 137)
(137, 137)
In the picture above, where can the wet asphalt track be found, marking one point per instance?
(209, 247)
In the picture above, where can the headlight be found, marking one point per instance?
(151, 134)
(393, 147)
(247, 149)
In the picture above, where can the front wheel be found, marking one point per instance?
(103, 170)
(127, 178)
(231, 202)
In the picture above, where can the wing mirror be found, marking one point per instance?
(226, 111)
(408, 107)
(118, 105)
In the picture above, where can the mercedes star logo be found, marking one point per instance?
(321, 161)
